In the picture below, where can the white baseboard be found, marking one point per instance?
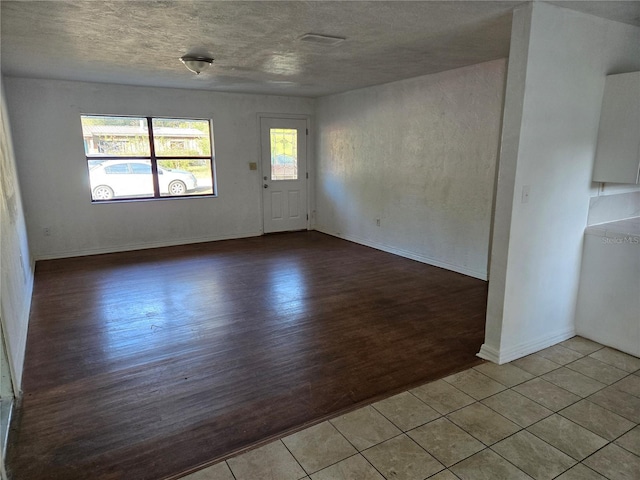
(143, 246)
(406, 254)
(489, 353)
(507, 355)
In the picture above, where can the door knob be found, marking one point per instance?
(266, 186)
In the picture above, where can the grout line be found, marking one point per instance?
(548, 444)
(428, 453)
(587, 376)
(334, 463)
(306, 474)
(571, 421)
(417, 426)
(229, 467)
(625, 449)
(578, 351)
(343, 435)
(593, 455)
(588, 467)
(608, 409)
(509, 461)
(492, 450)
(374, 467)
(485, 376)
(538, 403)
(358, 452)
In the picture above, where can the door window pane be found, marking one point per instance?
(284, 153)
(115, 136)
(179, 137)
(185, 177)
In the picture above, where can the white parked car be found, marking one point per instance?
(132, 178)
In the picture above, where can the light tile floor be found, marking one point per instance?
(571, 412)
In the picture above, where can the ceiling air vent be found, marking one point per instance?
(321, 39)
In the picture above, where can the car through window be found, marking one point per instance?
(147, 157)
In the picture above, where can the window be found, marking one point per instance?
(142, 157)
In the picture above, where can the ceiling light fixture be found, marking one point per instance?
(196, 63)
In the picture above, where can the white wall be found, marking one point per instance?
(419, 155)
(52, 168)
(555, 87)
(16, 266)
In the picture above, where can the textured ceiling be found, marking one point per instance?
(256, 44)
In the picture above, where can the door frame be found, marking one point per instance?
(310, 190)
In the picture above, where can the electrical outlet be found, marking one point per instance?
(377, 222)
(46, 231)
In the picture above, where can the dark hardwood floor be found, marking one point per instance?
(144, 365)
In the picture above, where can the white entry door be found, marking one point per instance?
(284, 170)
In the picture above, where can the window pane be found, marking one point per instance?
(141, 168)
(284, 154)
(175, 137)
(116, 169)
(115, 136)
(114, 179)
(185, 177)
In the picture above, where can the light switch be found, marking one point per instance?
(253, 166)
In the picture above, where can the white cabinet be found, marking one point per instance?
(618, 150)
